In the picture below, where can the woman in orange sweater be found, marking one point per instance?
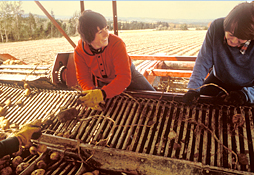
(103, 66)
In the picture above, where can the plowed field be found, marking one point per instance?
(43, 51)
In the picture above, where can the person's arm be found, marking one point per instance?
(83, 73)
(121, 62)
(203, 62)
(249, 92)
(9, 146)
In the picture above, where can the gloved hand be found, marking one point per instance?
(236, 98)
(93, 98)
(27, 131)
(191, 97)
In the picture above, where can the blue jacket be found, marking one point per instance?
(228, 64)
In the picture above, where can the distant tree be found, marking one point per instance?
(17, 13)
(6, 19)
(184, 26)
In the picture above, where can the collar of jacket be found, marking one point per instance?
(91, 51)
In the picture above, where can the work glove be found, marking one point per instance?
(191, 97)
(93, 99)
(28, 131)
(237, 98)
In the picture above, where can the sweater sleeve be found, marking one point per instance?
(9, 146)
(249, 92)
(83, 72)
(203, 62)
(121, 62)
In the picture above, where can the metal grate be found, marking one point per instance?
(215, 135)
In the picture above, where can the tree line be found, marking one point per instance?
(16, 26)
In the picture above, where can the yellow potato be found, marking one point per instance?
(41, 148)
(38, 172)
(21, 167)
(2, 110)
(16, 161)
(41, 164)
(55, 156)
(27, 92)
(8, 102)
(33, 150)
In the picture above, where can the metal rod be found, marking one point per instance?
(56, 24)
(115, 18)
(82, 7)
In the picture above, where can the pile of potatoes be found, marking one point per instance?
(19, 161)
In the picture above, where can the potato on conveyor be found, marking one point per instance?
(41, 148)
(4, 123)
(8, 102)
(16, 161)
(6, 171)
(38, 172)
(33, 150)
(55, 156)
(21, 167)
(41, 164)
(2, 110)
(27, 92)
(67, 114)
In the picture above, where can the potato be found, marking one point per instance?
(38, 172)
(19, 103)
(2, 110)
(16, 161)
(3, 136)
(41, 148)
(26, 86)
(8, 102)
(4, 123)
(27, 92)
(33, 150)
(41, 164)
(88, 173)
(55, 156)
(5, 161)
(6, 171)
(21, 167)
(67, 114)
(96, 172)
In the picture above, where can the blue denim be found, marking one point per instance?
(138, 81)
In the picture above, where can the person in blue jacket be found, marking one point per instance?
(21, 138)
(227, 54)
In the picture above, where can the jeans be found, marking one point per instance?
(138, 81)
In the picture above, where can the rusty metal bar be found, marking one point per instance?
(193, 114)
(171, 129)
(82, 6)
(205, 137)
(170, 73)
(220, 137)
(159, 127)
(152, 122)
(198, 136)
(145, 127)
(185, 129)
(212, 151)
(115, 17)
(55, 24)
(163, 58)
(133, 124)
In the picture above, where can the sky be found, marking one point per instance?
(140, 9)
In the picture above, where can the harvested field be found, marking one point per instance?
(145, 42)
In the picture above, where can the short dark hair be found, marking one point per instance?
(88, 23)
(240, 21)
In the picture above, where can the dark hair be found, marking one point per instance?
(240, 21)
(88, 23)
